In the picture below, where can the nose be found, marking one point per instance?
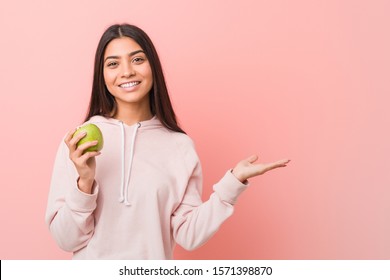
(127, 70)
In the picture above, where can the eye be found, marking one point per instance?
(138, 60)
(112, 64)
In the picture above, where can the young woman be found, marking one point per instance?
(142, 194)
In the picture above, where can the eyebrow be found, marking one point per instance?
(130, 54)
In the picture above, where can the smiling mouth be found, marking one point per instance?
(129, 85)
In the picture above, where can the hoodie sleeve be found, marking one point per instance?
(194, 222)
(69, 213)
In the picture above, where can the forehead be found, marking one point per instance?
(121, 46)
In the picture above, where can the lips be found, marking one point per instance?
(129, 84)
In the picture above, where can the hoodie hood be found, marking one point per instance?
(153, 123)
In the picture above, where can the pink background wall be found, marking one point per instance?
(307, 80)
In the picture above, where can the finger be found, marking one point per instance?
(76, 138)
(81, 148)
(276, 164)
(282, 162)
(252, 158)
(87, 155)
(69, 136)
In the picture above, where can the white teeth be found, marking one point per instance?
(127, 85)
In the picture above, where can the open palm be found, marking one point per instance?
(247, 168)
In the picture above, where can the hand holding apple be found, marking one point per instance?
(84, 144)
(93, 133)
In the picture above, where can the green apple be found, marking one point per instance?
(93, 133)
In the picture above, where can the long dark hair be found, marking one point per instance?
(103, 103)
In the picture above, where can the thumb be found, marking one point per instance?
(252, 158)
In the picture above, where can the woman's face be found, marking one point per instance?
(127, 73)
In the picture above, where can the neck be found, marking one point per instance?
(132, 114)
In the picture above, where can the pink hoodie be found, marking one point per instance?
(146, 198)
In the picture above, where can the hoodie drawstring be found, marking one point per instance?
(125, 185)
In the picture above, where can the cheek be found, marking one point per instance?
(150, 78)
(146, 70)
(105, 77)
(109, 78)
(148, 74)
